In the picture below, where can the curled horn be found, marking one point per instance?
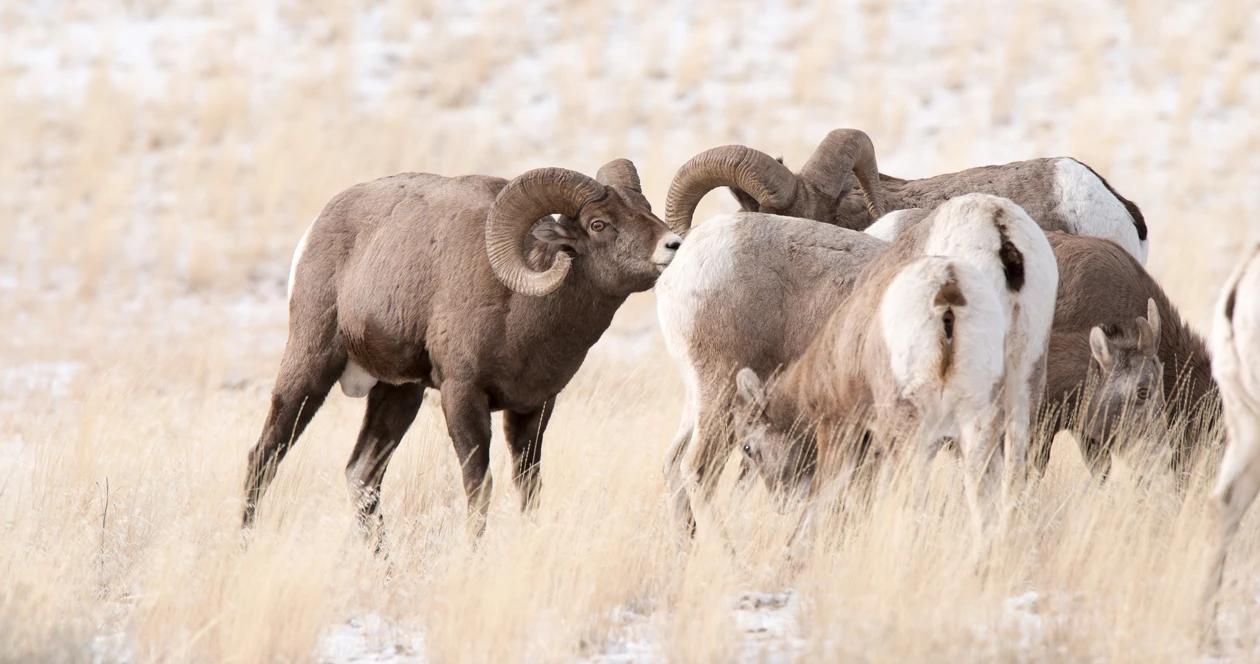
(756, 173)
(845, 150)
(619, 172)
(531, 196)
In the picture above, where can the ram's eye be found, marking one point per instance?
(598, 225)
(748, 450)
(1143, 393)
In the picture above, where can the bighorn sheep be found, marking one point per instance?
(1236, 367)
(465, 285)
(919, 346)
(791, 275)
(1059, 193)
(1122, 391)
(746, 290)
(1112, 318)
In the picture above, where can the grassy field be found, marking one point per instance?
(158, 163)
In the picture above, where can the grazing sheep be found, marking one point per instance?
(1236, 367)
(1122, 390)
(465, 285)
(752, 290)
(1059, 193)
(918, 347)
(746, 289)
(1099, 326)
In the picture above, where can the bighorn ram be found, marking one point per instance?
(1059, 193)
(465, 285)
(944, 345)
(1236, 367)
(1113, 319)
(752, 290)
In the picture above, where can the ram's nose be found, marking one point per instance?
(665, 249)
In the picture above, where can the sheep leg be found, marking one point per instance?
(703, 461)
(1017, 411)
(467, 414)
(307, 371)
(524, 434)
(390, 411)
(1236, 489)
(675, 480)
(980, 441)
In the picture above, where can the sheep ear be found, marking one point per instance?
(746, 203)
(1152, 319)
(750, 388)
(1100, 347)
(555, 230)
(1147, 341)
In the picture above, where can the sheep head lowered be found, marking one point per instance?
(1130, 389)
(763, 184)
(606, 221)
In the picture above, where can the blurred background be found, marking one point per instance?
(160, 159)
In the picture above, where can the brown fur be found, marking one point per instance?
(834, 198)
(1100, 284)
(396, 277)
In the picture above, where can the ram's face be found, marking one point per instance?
(619, 244)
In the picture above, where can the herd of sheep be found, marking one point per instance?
(843, 321)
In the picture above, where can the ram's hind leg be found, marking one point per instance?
(312, 362)
(524, 433)
(390, 411)
(705, 457)
(675, 481)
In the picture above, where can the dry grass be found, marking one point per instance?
(158, 164)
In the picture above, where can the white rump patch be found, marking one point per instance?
(913, 332)
(889, 226)
(1089, 208)
(297, 256)
(355, 381)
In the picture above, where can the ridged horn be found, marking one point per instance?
(620, 172)
(845, 150)
(531, 196)
(756, 173)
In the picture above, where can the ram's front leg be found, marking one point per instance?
(467, 414)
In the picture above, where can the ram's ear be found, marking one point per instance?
(556, 229)
(1100, 348)
(750, 388)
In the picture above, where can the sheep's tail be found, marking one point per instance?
(944, 329)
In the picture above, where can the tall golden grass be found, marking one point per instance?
(147, 229)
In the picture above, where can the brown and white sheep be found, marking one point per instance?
(1060, 193)
(466, 285)
(752, 290)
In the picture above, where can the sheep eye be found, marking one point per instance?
(598, 225)
(1143, 393)
(748, 450)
